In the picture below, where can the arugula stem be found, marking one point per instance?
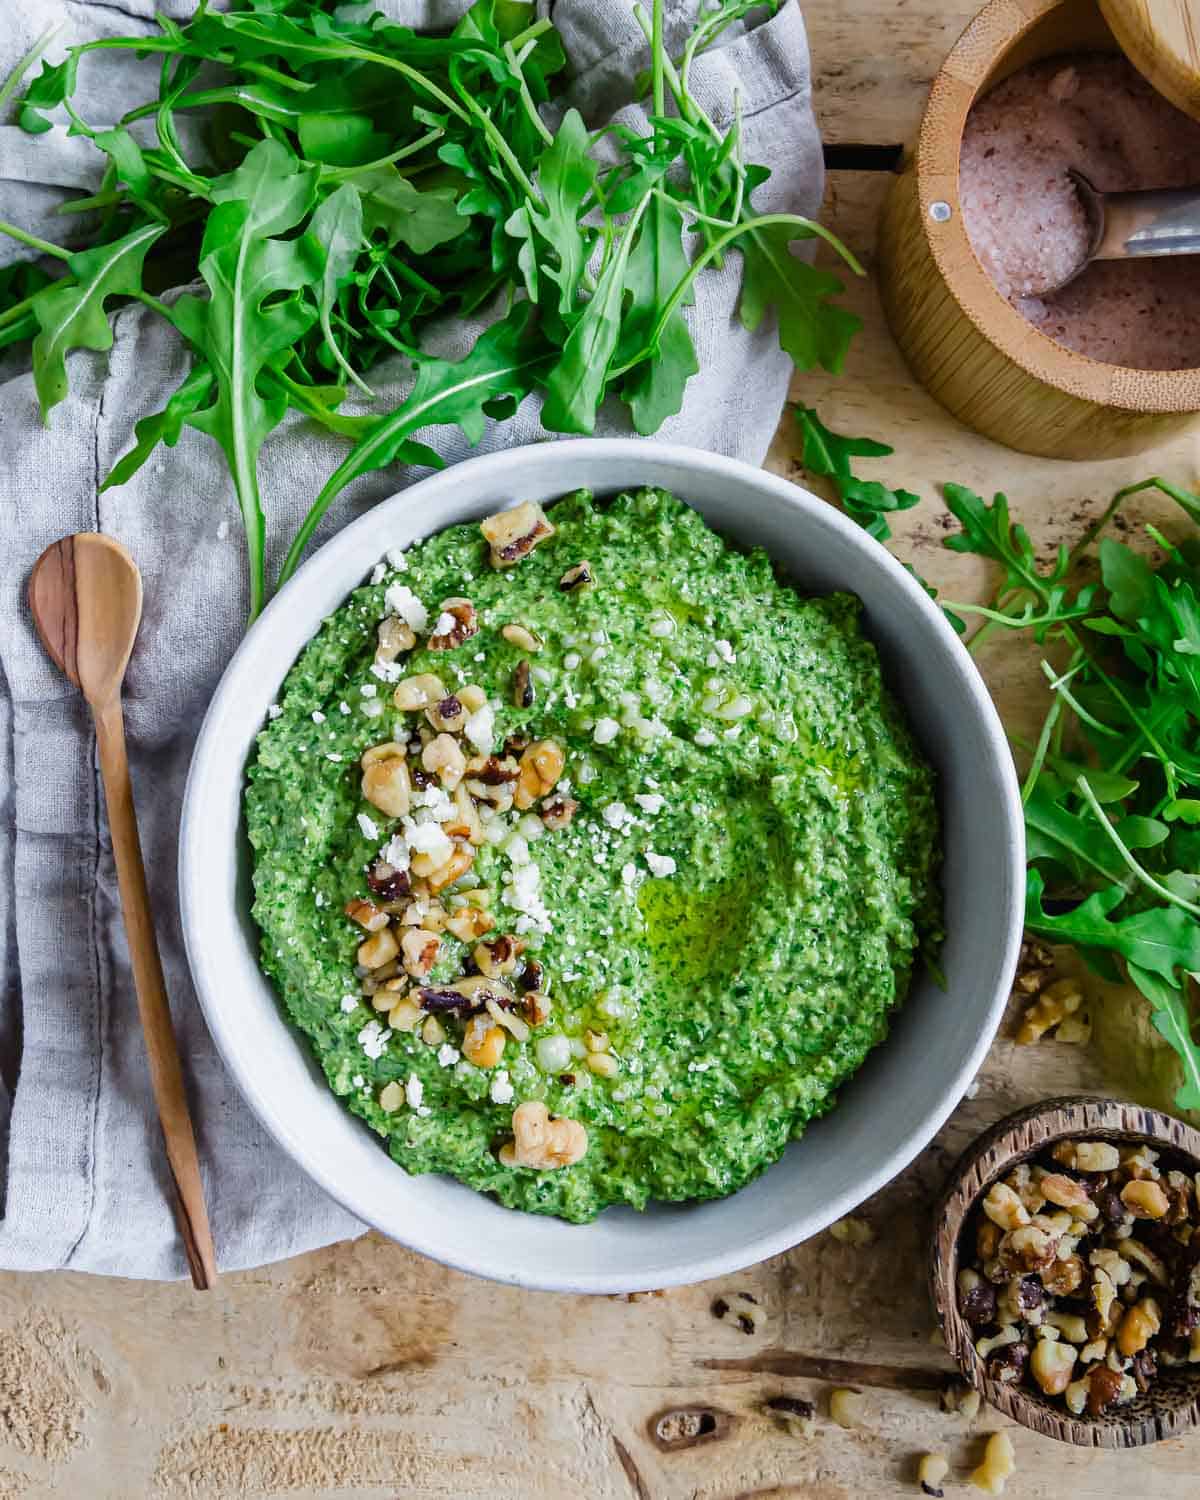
(1138, 871)
(515, 61)
(1041, 748)
(33, 241)
(657, 55)
(344, 174)
(1058, 686)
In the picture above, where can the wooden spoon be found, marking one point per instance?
(86, 596)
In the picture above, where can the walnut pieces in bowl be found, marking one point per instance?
(1067, 1271)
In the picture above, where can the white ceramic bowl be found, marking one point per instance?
(886, 1114)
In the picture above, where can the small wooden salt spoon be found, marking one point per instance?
(85, 593)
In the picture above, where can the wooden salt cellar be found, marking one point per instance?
(970, 349)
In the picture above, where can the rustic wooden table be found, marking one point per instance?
(363, 1370)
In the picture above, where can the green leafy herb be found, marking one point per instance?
(363, 179)
(829, 454)
(1112, 785)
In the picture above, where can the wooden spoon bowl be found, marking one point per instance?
(1172, 1404)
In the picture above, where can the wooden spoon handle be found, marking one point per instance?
(166, 1072)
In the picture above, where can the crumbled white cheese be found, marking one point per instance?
(501, 1090)
(397, 559)
(332, 755)
(606, 731)
(616, 814)
(317, 716)
(349, 1003)
(572, 660)
(387, 671)
(274, 711)
(480, 729)
(395, 852)
(343, 708)
(447, 1055)
(651, 802)
(368, 690)
(662, 626)
(401, 600)
(368, 826)
(358, 1081)
(705, 737)
(378, 573)
(372, 708)
(444, 624)
(660, 864)
(725, 651)
(373, 1039)
(428, 838)
(628, 873)
(414, 1091)
(319, 900)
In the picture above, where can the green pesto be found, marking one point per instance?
(738, 992)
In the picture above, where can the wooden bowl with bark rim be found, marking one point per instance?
(970, 349)
(1172, 1404)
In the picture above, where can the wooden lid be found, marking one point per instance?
(1161, 38)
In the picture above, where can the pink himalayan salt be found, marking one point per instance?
(1096, 113)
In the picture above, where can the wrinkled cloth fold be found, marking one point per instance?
(81, 1166)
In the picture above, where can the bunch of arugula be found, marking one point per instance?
(360, 180)
(1112, 783)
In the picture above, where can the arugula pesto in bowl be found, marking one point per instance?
(590, 856)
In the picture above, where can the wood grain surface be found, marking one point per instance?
(362, 1370)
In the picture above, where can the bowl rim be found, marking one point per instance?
(1013, 1139)
(677, 1267)
(983, 45)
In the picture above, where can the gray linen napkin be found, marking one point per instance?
(79, 1143)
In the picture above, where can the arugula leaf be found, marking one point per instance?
(164, 426)
(244, 321)
(812, 328)
(828, 454)
(988, 531)
(70, 314)
(566, 176)
(575, 386)
(654, 388)
(1072, 840)
(420, 220)
(1161, 941)
(337, 227)
(1172, 1019)
(48, 90)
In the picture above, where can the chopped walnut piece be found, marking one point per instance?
(522, 637)
(1145, 1200)
(1052, 1364)
(1034, 966)
(513, 534)
(577, 578)
(469, 923)
(541, 1141)
(369, 916)
(1004, 1208)
(523, 692)
(1057, 1001)
(540, 768)
(931, 1471)
(449, 715)
(456, 623)
(557, 813)
(443, 756)
(498, 956)
(393, 638)
(999, 1462)
(421, 691)
(420, 949)
(386, 783)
